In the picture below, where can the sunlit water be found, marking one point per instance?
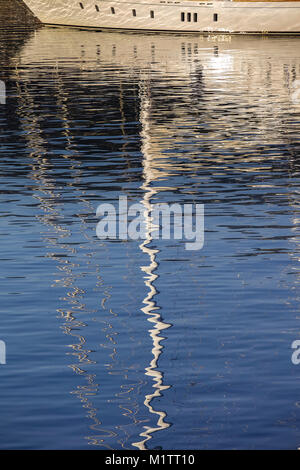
(142, 344)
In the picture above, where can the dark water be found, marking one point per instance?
(120, 344)
(14, 13)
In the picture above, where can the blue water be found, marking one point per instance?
(115, 344)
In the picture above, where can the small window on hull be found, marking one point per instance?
(133, 12)
(112, 10)
(188, 16)
(182, 16)
(215, 16)
(195, 17)
(151, 14)
(97, 8)
(81, 6)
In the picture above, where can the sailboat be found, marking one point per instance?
(229, 16)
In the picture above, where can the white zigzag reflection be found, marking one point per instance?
(151, 309)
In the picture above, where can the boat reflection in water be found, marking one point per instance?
(204, 73)
(151, 309)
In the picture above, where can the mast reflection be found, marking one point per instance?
(172, 129)
(151, 309)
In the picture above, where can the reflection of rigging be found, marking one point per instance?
(170, 132)
(150, 307)
(46, 192)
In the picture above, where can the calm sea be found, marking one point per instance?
(132, 344)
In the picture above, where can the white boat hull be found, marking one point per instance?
(165, 15)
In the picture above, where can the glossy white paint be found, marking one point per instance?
(215, 16)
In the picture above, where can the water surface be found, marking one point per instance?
(136, 344)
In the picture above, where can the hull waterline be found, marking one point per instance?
(271, 17)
